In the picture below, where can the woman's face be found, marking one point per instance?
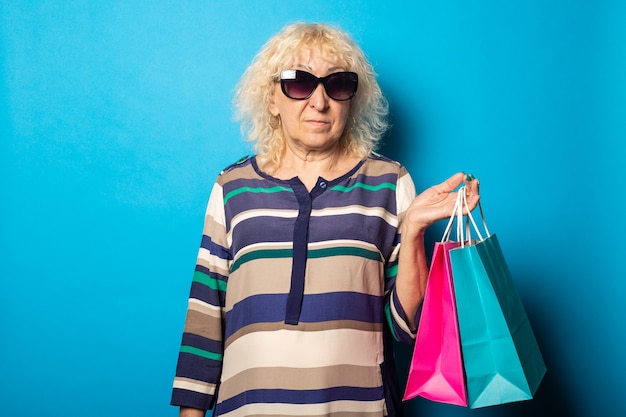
(317, 123)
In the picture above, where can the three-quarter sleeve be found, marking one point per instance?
(200, 357)
(395, 314)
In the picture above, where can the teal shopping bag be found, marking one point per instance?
(501, 356)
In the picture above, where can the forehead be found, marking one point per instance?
(312, 56)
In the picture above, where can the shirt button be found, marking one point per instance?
(323, 184)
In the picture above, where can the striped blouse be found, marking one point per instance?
(292, 308)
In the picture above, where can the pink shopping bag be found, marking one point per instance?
(436, 371)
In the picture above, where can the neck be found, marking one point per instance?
(308, 166)
(303, 160)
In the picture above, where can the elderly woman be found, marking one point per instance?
(301, 282)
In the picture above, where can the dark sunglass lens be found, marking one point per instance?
(298, 84)
(341, 86)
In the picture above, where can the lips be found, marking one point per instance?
(319, 123)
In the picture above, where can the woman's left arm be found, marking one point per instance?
(436, 203)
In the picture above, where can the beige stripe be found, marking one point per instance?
(216, 230)
(323, 275)
(212, 262)
(193, 385)
(344, 273)
(405, 194)
(243, 172)
(356, 209)
(214, 220)
(262, 246)
(335, 408)
(292, 349)
(343, 242)
(375, 167)
(203, 325)
(215, 207)
(301, 379)
(307, 327)
(205, 308)
(261, 276)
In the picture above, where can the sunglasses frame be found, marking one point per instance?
(291, 75)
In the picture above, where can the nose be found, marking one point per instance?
(319, 99)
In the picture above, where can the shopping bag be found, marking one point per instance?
(501, 356)
(436, 369)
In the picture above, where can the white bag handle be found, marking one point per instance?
(457, 212)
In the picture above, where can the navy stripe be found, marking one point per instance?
(318, 396)
(211, 273)
(198, 367)
(204, 293)
(191, 399)
(263, 229)
(190, 339)
(270, 308)
(214, 248)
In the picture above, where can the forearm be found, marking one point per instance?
(191, 412)
(412, 272)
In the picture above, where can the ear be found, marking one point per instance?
(272, 105)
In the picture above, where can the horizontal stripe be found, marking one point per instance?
(215, 228)
(193, 385)
(337, 408)
(367, 187)
(203, 342)
(357, 209)
(312, 254)
(391, 271)
(277, 189)
(287, 348)
(257, 213)
(315, 308)
(301, 379)
(214, 248)
(305, 327)
(211, 260)
(288, 396)
(200, 352)
(344, 251)
(206, 326)
(205, 308)
(261, 254)
(204, 279)
(326, 275)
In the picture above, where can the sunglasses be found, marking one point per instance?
(300, 85)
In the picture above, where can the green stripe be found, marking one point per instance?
(345, 250)
(390, 320)
(392, 271)
(313, 254)
(261, 254)
(257, 190)
(212, 283)
(201, 352)
(365, 187)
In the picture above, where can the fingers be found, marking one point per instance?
(452, 183)
(472, 190)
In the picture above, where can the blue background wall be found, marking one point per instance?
(115, 118)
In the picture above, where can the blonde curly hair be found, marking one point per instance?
(253, 95)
